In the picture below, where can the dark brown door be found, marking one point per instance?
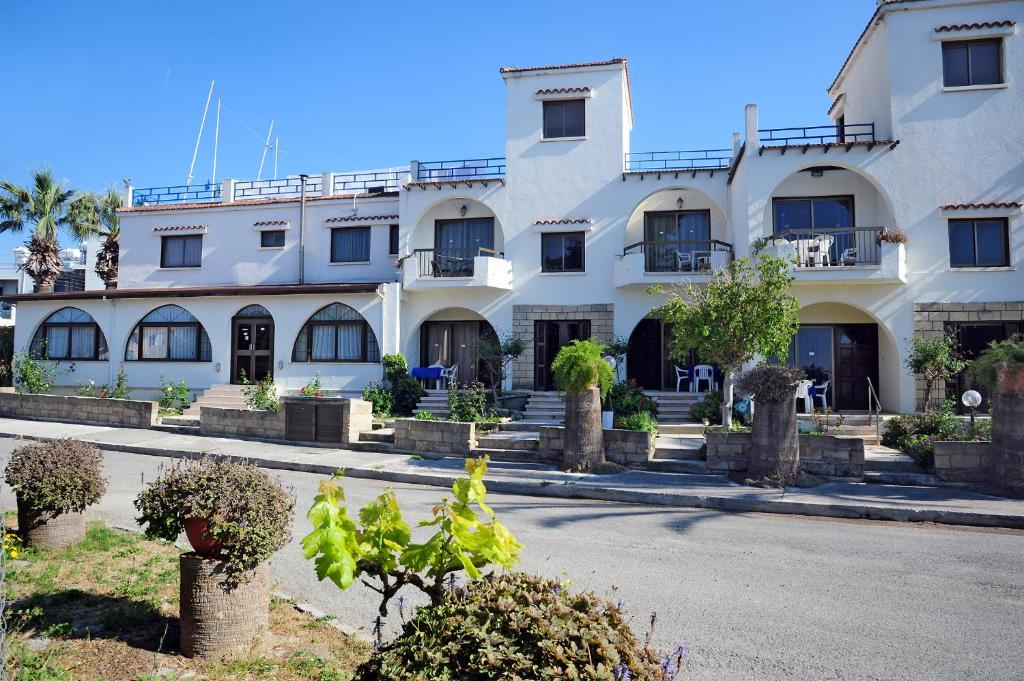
(856, 357)
(253, 349)
(453, 343)
(644, 357)
(548, 339)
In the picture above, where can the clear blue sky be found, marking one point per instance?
(103, 94)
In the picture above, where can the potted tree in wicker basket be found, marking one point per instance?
(54, 483)
(235, 517)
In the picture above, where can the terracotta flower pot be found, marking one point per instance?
(198, 532)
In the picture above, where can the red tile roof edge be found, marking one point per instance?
(522, 69)
(983, 206)
(266, 223)
(871, 22)
(362, 218)
(976, 25)
(561, 90)
(565, 221)
(180, 228)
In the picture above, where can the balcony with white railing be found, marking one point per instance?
(647, 263)
(431, 268)
(843, 254)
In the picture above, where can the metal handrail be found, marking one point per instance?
(678, 256)
(150, 196)
(461, 169)
(872, 413)
(818, 134)
(835, 246)
(689, 159)
(288, 187)
(369, 182)
(440, 263)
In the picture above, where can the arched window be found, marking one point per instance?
(69, 333)
(253, 312)
(170, 334)
(336, 333)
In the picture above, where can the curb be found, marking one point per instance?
(629, 496)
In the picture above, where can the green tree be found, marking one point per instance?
(745, 311)
(580, 370)
(497, 354)
(46, 208)
(98, 215)
(934, 359)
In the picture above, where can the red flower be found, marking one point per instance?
(318, 394)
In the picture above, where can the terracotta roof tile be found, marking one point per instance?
(363, 218)
(565, 221)
(562, 90)
(982, 206)
(976, 25)
(270, 223)
(517, 69)
(181, 228)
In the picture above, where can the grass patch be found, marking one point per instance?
(108, 609)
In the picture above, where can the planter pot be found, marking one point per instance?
(50, 532)
(215, 620)
(607, 420)
(198, 532)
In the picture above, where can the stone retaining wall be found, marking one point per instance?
(962, 461)
(96, 411)
(825, 455)
(435, 437)
(268, 425)
(625, 447)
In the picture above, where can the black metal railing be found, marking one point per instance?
(818, 134)
(678, 256)
(692, 159)
(289, 187)
(369, 182)
(6, 310)
(450, 262)
(835, 247)
(152, 196)
(461, 169)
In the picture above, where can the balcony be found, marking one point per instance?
(844, 254)
(848, 133)
(429, 268)
(692, 159)
(196, 193)
(663, 262)
(460, 170)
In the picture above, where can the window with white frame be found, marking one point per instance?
(181, 251)
(972, 62)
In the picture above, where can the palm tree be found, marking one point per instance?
(98, 215)
(46, 207)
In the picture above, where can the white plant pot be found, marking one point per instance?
(607, 420)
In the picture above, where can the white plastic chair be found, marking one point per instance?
(824, 243)
(849, 256)
(681, 375)
(449, 374)
(803, 392)
(684, 259)
(703, 372)
(821, 391)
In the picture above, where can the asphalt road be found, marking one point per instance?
(752, 596)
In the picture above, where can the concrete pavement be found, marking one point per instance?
(834, 499)
(767, 597)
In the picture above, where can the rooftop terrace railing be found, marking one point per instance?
(152, 196)
(691, 159)
(369, 182)
(289, 187)
(461, 169)
(818, 134)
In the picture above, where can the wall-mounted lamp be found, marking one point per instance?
(817, 172)
(680, 202)
(280, 364)
(217, 367)
(462, 211)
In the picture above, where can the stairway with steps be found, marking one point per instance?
(435, 401)
(673, 408)
(224, 395)
(884, 466)
(545, 408)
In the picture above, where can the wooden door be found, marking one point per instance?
(548, 339)
(856, 359)
(463, 352)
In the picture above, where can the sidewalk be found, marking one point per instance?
(835, 499)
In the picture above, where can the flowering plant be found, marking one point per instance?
(312, 389)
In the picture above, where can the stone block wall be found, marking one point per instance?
(435, 437)
(962, 461)
(267, 425)
(357, 416)
(601, 317)
(824, 455)
(625, 447)
(96, 411)
(934, 319)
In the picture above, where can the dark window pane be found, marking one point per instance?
(393, 240)
(554, 120)
(832, 213)
(562, 252)
(575, 125)
(350, 244)
(991, 242)
(985, 62)
(272, 239)
(574, 252)
(565, 118)
(961, 243)
(955, 65)
(181, 251)
(792, 214)
(551, 252)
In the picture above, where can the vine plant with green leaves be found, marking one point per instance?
(378, 545)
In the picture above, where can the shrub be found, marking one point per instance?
(467, 404)
(892, 236)
(380, 397)
(517, 626)
(262, 396)
(175, 397)
(934, 360)
(708, 409)
(33, 376)
(984, 369)
(771, 382)
(629, 398)
(313, 388)
(63, 476)
(91, 390)
(121, 391)
(642, 421)
(248, 513)
(580, 365)
(395, 366)
(380, 546)
(406, 393)
(913, 434)
(423, 415)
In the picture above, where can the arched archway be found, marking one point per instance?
(453, 231)
(169, 333)
(678, 229)
(71, 334)
(252, 344)
(455, 337)
(649, 361)
(336, 333)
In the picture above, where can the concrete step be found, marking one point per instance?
(680, 428)
(382, 447)
(898, 478)
(513, 455)
(523, 441)
(531, 424)
(176, 429)
(682, 449)
(379, 435)
(884, 460)
(180, 420)
(676, 466)
(220, 400)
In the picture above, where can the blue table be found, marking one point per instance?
(426, 373)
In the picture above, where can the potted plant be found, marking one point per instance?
(54, 483)
(235, 517)
(586, 378)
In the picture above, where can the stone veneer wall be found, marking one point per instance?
(357, 417)
(435, 437)
(73, 409)
(601, 317)
(824, 455)
(267, 425)
(962, 461)
(625, 447)
(932, 319)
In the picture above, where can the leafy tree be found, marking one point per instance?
(47, 209)
(580, 370)
(498, 353)
(379, 544)
(98, 215)
(745, 311)
(934, 359)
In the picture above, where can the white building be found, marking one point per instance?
(559, 237)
